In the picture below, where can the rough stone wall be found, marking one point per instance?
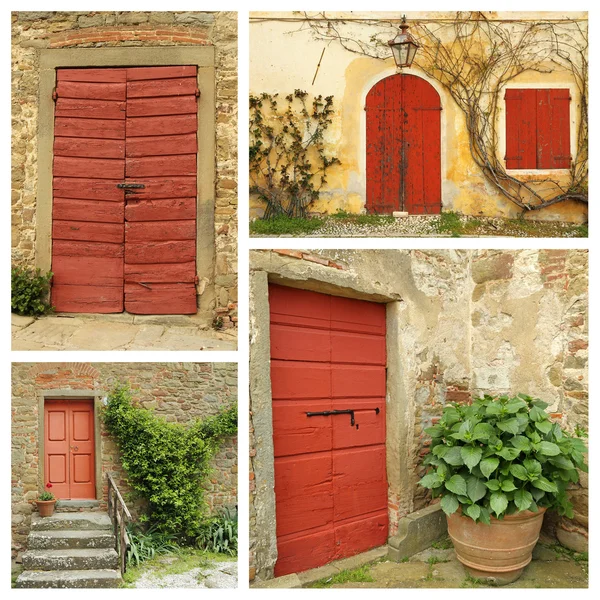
(180, 392)
(33, 31)
(469, 322)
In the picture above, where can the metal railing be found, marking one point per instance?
(120, 516)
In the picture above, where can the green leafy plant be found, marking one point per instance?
(30, 291)
(167, 463)
(148, 543)
(499, 456)
(288, 162)
(220, 533)
(46, 495)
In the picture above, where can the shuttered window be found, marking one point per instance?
(537, 129)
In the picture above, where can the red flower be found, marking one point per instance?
(48, 485)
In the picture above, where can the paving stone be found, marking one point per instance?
(20, 321)
(106, 336)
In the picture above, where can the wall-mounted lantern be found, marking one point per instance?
(404, 47)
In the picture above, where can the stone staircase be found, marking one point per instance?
(70, 550)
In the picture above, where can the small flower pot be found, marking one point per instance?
(497, 552)
(45, 507)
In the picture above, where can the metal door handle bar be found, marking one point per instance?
(347, 411)
(127, 186)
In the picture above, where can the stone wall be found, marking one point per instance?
(466, 322)
(33, 31)
(180, 392)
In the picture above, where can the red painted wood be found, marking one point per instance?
(161, 145)
(403, 146)
(90, 189)
(87, 232)
(160, 252)
(179, 86)
(69, 248)
(521, 124)
(89, 128)
(141, 73)
(87, 298)
(161, 299)
(168, 125)
(69, 209)
(160, 210)
(90, 148)
(100, 168)
(90, 109)
(69, 461)
(328, 473)
(168, 105)
(165, 187)
(161, 272)
(86, 270)
(160, 231)
(102, 75)
(92, 91)
(153, 166)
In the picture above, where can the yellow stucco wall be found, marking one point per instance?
(284, 56)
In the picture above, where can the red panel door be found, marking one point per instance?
(125, 248)
(327, 354)
(69, 460)
(403, 146)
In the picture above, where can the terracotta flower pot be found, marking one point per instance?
(499, 551)
(45, 507)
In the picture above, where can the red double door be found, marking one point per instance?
(69, 448)
(403, 147)
(124, 190)
(328, 379)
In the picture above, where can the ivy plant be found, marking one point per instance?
(167, 463)
(30, 291)
(501, 455)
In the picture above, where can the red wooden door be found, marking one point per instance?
(403, 146)
(69, 448)
(327, 354)
(131, 248)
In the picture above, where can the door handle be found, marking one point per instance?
(130, 186)
(346, 411)
(74, 448)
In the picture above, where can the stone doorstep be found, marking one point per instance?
(75, 505)
(64, 539)
(71, 520)
(92, 578)
(70, 559)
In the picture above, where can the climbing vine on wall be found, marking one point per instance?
(474, 57)
(167, 463)
(288, 163)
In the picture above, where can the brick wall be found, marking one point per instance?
(179, 392)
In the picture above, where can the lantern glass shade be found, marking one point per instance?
(403, 48)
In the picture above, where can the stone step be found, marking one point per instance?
(92, 578)
(70, 538)
(71, 520)
(70, 559)
(76, 505)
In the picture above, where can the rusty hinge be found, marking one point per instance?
(54, 94)
(197, 93)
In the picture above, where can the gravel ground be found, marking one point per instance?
(216, 575)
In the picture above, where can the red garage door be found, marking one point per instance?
(328, 383)
(124, 190)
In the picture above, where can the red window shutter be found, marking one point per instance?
(553, 118)
(520, 129)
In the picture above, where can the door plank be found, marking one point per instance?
(161, 145)
(169, 125)
(160, 210)
(98, 168)
(87, 232)
(89, 128)
(160, 252)
(69, 209)
(157, 166)
(161, 299)
(89, 109)
(89, 147)
(179, 86)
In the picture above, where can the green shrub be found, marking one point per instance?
(220, 533)
(500, 456)
(167, 463)
(146, 544)
(30, 291)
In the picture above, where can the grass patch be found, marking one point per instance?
(362, 574)
(443, 544)
(472, 582)
(581, 558)
(346, 217)
(16, 571)
(284, 226)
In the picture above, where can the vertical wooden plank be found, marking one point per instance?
(393, 135)
(375, 147)
(560, 108)
(513, 155)
(544, 154)
(528, 130)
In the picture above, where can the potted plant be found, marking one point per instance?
(498, 465)
(45, 502)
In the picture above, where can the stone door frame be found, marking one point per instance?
(399, 407)
(202, 57)
(71, 395)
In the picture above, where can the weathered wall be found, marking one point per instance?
(179, 392)
(468, 322)
(33, 31)
(284, 43)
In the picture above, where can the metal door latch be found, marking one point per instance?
(347, 411)
(129, 186)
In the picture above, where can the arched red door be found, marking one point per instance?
(403, 146)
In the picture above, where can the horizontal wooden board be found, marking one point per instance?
(167, 105)
(89, 147)
(161, 166)
(360, 535)
(91, 189)
(161, 299)
(361, 348)
(166, 187)
(102, 75)
(161, 145)
(87, 298)
(300, 343)
(87, 270)
(160, 210)
(89, 128)
(141, 73)
(179, 86)
(162, 273)
(170, 125)
(352, 381)
(291, 380)
(88, 232)
(77, 248)
(160, 252)
(71, 209)
(93, 91)
(299, 553)
(371, 424)
(98, 168)
(160, 231)
(90, 109)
